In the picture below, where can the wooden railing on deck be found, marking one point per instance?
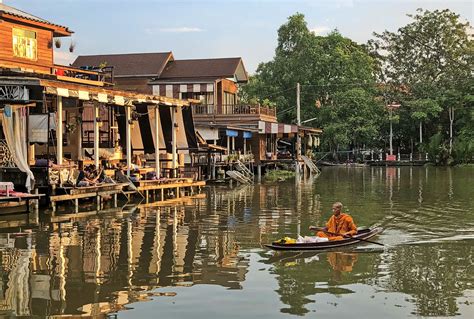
(234, 109)
(104, 75)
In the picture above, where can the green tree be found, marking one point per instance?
(429, 63)
(337, 84)
(421, 110)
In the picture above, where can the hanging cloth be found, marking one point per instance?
(14, 128)
(310, 141)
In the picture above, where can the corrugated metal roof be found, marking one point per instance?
(16, 12)
(130, 64)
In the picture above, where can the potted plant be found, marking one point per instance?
(57, 43)
(72, 46)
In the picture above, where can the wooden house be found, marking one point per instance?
(27, 40)
(48, 109)
(220, 118)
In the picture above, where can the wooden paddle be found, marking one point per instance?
(346, 236)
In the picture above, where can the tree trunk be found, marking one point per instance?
(451, 121)
(421, 133)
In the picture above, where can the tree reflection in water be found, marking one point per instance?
(302, 276)
(97, 264)
(434, 276)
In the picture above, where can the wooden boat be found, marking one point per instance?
(361, 234)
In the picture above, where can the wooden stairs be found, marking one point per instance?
(310, 164)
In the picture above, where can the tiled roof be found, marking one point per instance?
(204, 68)
(131, 64)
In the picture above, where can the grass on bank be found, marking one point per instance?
(279, 175)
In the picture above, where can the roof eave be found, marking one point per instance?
(58, 30)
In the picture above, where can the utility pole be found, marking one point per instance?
(298, 122)
(391, 132)
(391, 107)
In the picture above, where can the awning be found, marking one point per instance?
(143, 130)
(276, 128)
(231, 133)
(110, 96)
(247, 134)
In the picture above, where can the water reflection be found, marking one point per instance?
(101, 264)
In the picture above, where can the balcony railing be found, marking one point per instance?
(234, 109)
(104, 74)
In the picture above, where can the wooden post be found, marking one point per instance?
(209, 164)
(79, 135)
(59, 131)
(128, 138)
(96, 135)
(173, 141)
(157, 142)
(298, 122)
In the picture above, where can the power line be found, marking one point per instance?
(278, 92)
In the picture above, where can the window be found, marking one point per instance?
(229, 99)
(24, 44)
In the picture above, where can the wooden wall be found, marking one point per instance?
(258, 142)
(44, 37)
(229, 86)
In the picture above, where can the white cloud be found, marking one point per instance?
(319, 30)
(173, 30)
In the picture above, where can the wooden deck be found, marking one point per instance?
(8, 204)
(97, 192)
(189, 200)
(162, 191)
(169, 189)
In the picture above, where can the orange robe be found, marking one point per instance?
(339, 225)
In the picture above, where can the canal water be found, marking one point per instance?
(206, 259)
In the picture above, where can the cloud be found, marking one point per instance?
(319, 30)
(173, 30)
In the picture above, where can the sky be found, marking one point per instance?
(198, 29)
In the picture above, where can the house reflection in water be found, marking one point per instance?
(97, 266)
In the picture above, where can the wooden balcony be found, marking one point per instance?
(97, 77)
(233, 113)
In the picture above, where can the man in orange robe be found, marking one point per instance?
(339, 223)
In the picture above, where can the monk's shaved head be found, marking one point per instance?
(337, 204)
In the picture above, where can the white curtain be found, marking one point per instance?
(14, 129)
